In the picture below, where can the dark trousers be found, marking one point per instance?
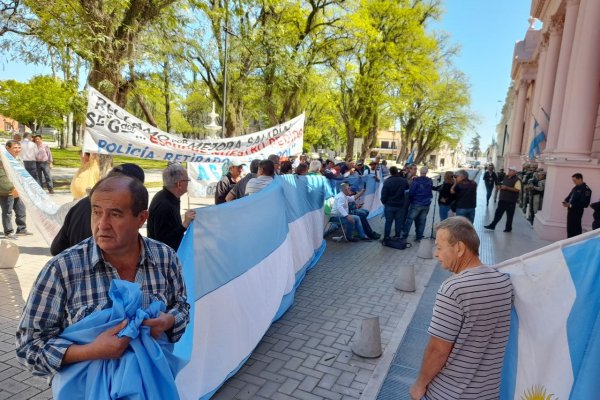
(362, 214)
(8, 204)
(489, 189)
(44, 174)
(31, 167)
(393, 215)
(574, 216)
(509, 208)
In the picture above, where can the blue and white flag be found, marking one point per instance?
(538, 138)
(411, 157)
(371, 199)
(554, 343)
(242, 262)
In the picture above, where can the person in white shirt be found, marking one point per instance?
(28, 152)
(266, 171)
(350, 221)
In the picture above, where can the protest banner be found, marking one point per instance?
(244, 276)
(553, 350)
(112, 130)
(47, 215)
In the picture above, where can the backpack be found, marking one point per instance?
(398, 243)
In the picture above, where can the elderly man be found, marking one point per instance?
(28, 154)
(419, 195)
(239, 189)
(470, 322)
(266, 171)
(507, 202)
(164, 221)
(10, 200)
(341, 209)
(76, 283)
(228, 180)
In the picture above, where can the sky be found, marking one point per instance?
(485, 31)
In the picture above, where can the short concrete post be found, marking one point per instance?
(367, 339)
(425, 249)
(405, 281)
(9, 254)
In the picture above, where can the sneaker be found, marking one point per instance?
(24, 233)
(490, 227)
(10, 236)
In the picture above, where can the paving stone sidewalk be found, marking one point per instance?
(307, 353)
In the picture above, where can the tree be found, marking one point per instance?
(475, 147)
(43, 101)
(385, 49)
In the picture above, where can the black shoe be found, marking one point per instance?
(353, 240)
(507, 230)
(366, 239)
(374, 235)
(24, 233)
(490, 227)
(51, 191)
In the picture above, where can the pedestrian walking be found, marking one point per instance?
(489, 179)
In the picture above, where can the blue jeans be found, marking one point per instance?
(418, 214)
(44, 175)
(396, 215)
(468, 213)
(444, 210)
(349, 226)
(8, 204)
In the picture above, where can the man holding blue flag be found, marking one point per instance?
(74, 285)
(470, 323)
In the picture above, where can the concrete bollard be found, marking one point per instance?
(10, 254)
(405, 281)
(425, 249)
(367, 339)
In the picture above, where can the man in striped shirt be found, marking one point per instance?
(470, 323)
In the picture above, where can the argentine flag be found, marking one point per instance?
(554, 344)
(242, 262)
(538, 138)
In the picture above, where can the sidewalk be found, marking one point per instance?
(496, 246)
(306, 354)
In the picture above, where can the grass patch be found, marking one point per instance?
(69, 158)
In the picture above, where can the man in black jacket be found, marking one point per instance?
(164, 221)
(509, 195)
(577, 200)
(392, 197)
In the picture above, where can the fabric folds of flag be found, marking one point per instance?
(538, 138)
(146, 370)
(242, 272)
(411, 157)
(554, 343)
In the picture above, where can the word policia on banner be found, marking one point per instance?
(112, 130)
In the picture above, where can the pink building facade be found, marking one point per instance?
(556, 82)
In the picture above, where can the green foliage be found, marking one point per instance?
(40, 102)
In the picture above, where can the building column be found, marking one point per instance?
(558, 96)
(582, 93)
(575, 137)
(516, 131)
(551, 66)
